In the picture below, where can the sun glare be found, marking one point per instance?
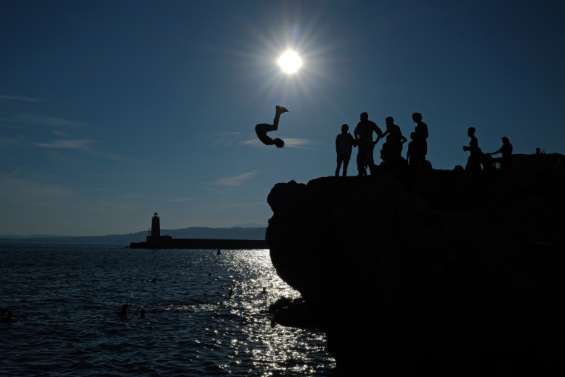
(290, 62)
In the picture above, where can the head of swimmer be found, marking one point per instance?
(279, 143)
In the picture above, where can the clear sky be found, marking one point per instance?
(111, 110)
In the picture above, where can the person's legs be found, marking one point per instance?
(362, 161)
(370, 153)
(278, 111)
(345, 163)
(264, 128)
(385, 152)
(338, 166)
(397, 151)
(419, 157)
(359, 164)
(473, 165)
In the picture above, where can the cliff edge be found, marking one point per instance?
(430, 271)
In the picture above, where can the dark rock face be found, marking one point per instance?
(433, 271)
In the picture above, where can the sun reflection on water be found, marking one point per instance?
(275, 349)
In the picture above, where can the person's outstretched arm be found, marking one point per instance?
(497, 152)
(352, 140)
(377, 129)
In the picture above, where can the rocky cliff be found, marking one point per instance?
(430, 271)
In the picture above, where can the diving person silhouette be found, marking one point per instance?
(262, 128)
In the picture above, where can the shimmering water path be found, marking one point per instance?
(204, 314)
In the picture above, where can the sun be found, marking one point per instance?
(290, 62)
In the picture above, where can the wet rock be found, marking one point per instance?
(293, 313)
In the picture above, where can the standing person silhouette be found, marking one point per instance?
(413, 153)
(262, 128)
(475, 153)
(364, 139)
(420, 148)
(506, 151)
(344, 144)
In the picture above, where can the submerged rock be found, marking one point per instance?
(430, 271)
(293, 313)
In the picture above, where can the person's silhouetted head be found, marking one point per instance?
(344, 128)
(417, 117)
(505, 140)
(279, 143)
(389, 121)
(364, 117)
(471, 131)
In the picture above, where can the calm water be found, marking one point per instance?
(205, 314)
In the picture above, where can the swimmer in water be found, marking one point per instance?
(124, 312)
(6, 315)
(262, 129)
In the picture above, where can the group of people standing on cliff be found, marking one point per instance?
(391, 152)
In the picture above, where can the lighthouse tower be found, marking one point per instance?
(155, 227)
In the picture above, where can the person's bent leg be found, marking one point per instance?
(278, 111)
(264, 128)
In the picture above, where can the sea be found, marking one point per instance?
(190, 313)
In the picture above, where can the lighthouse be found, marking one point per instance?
(155, 227)
(155, 239)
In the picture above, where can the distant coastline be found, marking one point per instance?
(233, 233)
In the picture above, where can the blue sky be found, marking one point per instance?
(110, 110)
